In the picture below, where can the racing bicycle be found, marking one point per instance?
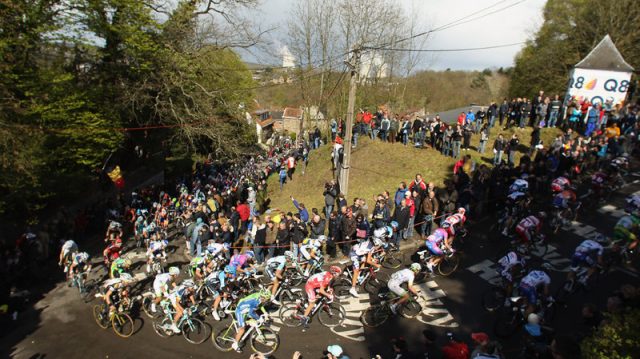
(262, 339)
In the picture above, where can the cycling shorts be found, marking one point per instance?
(581, 259)
(523, 233)
(357, 260)
(395, 287)
(434, 248)
(528, 292)
(160, 289)
(311, 292)
(241, 314)
(271, 270)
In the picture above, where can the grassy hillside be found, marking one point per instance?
(377, 166)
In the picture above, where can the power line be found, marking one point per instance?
(448, 25)
(454, 50)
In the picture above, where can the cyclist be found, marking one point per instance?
(565, 201)
(116, 290)
(69, 248)
(519, 185)
(626, 229)
(216, 250)
(322, 283)
(510, 268)
(199, 267)
(114, 230)
(156, 249)
(81, 262)
(529, 227)
(455, 220)
(361, 254)
(275, 269)
(247, 307)
(161, 285)
(118, 267)
(178, 299)
(435, 241)
(225, 279)
(406, 275)
(529, 286)
(243, 262)
(587, 254)
(310, 249)
(560, 184)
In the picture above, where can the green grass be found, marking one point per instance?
(378, 166)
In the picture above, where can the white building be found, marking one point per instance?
(288, 60)
(373, 66)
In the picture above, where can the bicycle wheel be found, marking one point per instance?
(122, 324)
(223, 339)
(448, 264)
(295, 277)
(161, 328)
(341, 288)
(375, 316)
(493, 299)
(195, 331)
(393, 260)
(290, 315)
(146, 307)
(89, 292)
(331, 315)
(410, 309)
(101, 316)
(539, 248)
(265, 342)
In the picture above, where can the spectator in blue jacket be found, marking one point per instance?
(304, 214)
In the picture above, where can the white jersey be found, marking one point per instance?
(156, 246)
(589, 246)
(69, 247)
(510, 260)
(162, 279)
(215, 248)
(536, 278)
(361, 249)
(402, 276)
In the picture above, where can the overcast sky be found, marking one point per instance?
(512, 25)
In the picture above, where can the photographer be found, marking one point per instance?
(330, 193)
(381, 214)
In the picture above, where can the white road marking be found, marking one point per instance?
(352, 328)
(433, 310)
(487, 271)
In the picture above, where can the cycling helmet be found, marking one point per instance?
(335, 270)
(461, 210)
(264, 293)
(188, 283)
(519, 185)
(546, 267)
(542, 215)
(138, 213)
(126, 263)
(416, 267)
(126, 277)
(599, 237)
(378, 242)
(289, 255)
(174, 271)
(230, 269)
(250, 254)
(394, 224)
(633, 203)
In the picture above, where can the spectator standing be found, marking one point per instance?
(554, 110)
(401, 215)
(302, 210)
(446, 141)
(270, 238)
(393, 129)
(492, 113)
(259, 239)
(430, 208)
(406, 128)
(333, 234)
(525, 112)
(385, 124)
(283, 177)
(467, 131)
(514, 142)
(330, 193)
(480, 117)
(484, 137)
(503, 111)
(541, 113)
(399, 196)
(347, 230)
(498, 149)
(456, 138)
(470, 118)
(291, 166)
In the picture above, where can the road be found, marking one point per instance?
(60, 325)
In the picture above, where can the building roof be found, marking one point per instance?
(605, 56)
(266, 123)
(292, 112)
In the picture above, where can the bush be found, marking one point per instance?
(615, 339)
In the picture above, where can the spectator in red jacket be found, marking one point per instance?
(244, 212)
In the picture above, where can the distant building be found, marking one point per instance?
(373, 66)
(288, 60)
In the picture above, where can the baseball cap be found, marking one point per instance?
(334, 350)
(480, 337)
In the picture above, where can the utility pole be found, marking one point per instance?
(354, 64)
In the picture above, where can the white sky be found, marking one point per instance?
(512, 25)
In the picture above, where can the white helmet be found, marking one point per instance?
(174, 271)
(533, 318)
(416, 267)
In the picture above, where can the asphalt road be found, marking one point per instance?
(61, 325)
